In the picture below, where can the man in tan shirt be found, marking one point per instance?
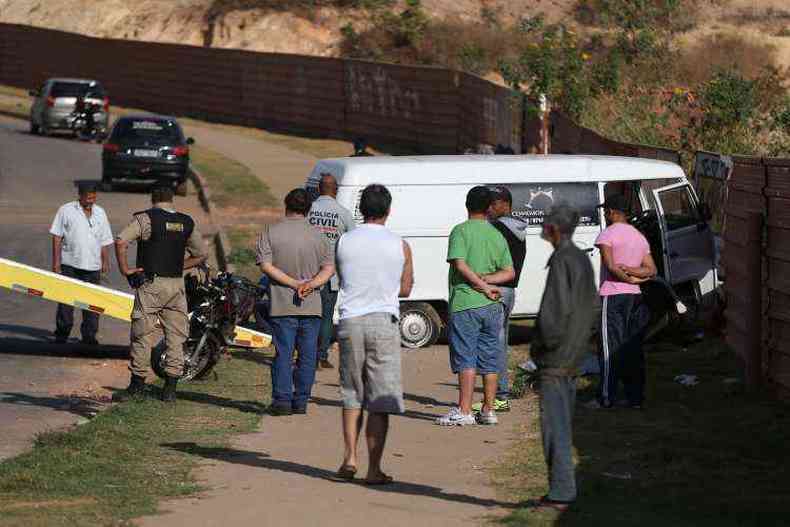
(163, 238)
(299, 261)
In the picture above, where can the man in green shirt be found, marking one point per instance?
(478, 256)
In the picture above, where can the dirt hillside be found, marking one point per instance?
(287, 26)
(262, 25)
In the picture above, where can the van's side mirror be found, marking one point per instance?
(190, 141)
(705, 212)
(33, 93)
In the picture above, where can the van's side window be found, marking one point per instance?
(649, 185)
(679, 209)
(629, 189)
(531, 201)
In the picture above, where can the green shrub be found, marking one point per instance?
(728, 100)
(551, 64)
(473, 58)
(780, 116)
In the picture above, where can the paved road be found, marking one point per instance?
(37, 175)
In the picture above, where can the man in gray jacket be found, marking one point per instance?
(333, 220)
(564, 327)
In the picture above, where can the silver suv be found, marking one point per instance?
(54, 104)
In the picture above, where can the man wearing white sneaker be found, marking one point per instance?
(476, 249)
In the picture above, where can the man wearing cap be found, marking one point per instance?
(625, 263)
(81, 237)
(514, 231)
(164, 238)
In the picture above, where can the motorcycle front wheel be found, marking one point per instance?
(196, 366)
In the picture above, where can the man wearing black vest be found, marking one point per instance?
(163, 238)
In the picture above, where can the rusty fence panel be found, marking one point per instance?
(405, 104)
(777, 349)
(567, 137)
(417, 106)
(489, 114)
(744, 267)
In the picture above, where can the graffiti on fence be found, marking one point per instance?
(371, 89)
(711, 174)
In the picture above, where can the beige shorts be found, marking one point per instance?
(370, 363)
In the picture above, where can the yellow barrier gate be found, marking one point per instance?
(99, 299)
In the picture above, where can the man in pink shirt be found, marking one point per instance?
(625, 263)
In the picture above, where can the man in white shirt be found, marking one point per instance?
(81, 237)
(333, 220)
(375, 269)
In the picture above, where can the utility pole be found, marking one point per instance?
(545, 113)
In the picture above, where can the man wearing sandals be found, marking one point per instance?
(369, 334)
(564, 327)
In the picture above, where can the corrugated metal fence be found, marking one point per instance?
(777, 253)
(433, 110)
(569, 138)
(757, 263)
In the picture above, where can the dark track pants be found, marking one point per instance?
(64, 319)
(624, 319)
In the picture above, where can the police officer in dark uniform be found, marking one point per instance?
(164, 237)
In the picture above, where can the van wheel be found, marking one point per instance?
(420, 325)
(182, 188)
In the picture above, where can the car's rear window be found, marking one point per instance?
(147, 129)
(74, 89)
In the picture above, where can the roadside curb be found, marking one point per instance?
(221, 240)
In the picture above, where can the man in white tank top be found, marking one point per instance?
(375, 269)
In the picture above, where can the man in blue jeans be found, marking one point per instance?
(475, 249)
(298, 261)
(514, 230)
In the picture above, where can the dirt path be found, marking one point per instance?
(281, 168)
(279, 475)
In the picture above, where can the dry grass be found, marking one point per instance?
(242, 239)
(484, 43)
(125, 460)
(723, 51)
(707, 455)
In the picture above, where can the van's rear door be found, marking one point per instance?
(687, 239)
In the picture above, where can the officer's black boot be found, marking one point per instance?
(169, 392)
(135, 390)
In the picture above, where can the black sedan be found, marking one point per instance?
(146, 149)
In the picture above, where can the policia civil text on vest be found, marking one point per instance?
(168, 242)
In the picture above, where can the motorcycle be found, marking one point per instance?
(216, 306)
(84, 124)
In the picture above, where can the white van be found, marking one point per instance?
(428, 199)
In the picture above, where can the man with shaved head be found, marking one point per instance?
(332, 220)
